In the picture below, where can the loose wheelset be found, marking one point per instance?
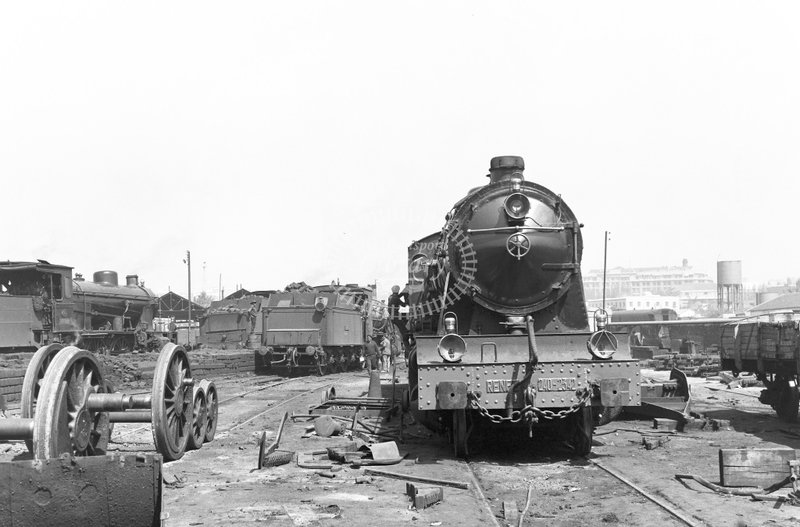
(67, 417)
(67, 406)
(177, 409)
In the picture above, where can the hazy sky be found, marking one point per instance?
(288, 141)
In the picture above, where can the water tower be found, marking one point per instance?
(730, 293)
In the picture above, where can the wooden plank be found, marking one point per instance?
(12, 381)
(9, 373)
(754, 467)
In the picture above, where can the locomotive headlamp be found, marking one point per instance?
(320, 303)
(452, 347)
(517, 206)
(601, 344)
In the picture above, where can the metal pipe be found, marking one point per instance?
(130, 417)
(16, 428)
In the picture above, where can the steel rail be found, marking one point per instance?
(671, 509)
(274, 406)
(479, 493)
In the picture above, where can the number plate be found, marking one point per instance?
(556, 384)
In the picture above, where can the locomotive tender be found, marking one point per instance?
(320, 329)
(41, 303)
(499, 325)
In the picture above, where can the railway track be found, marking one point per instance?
(491, 491)
(122, 434)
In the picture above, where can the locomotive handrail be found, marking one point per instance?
(517, 229)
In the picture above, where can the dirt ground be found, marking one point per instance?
(220, 485)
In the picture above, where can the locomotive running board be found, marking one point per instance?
(101, 490)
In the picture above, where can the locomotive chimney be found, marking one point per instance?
(503, 168)
(132, 280)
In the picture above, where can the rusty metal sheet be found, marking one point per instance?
(113, 490)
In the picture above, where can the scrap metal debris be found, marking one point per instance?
(424, 497)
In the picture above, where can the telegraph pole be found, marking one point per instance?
(189, 268)
(605, 260)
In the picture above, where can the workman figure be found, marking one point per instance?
(173, 331)
(386, 354)
(252, 314)
(371, 352)
(395, 302)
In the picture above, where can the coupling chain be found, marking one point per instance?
(530, 413)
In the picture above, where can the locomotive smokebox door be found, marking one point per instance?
(451, 395)
(614, 392)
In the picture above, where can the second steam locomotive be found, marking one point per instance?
(499, 328)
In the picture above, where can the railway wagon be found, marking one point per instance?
(500, 330)
(769, 346)
(41, 303)
(233, 322)
(319, 329)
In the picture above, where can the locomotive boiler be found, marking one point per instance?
(499, 328)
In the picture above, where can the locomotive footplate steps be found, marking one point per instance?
(82, 491)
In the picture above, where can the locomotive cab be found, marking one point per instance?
(499, 315)
(35, 302)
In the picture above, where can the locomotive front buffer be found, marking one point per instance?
(484, 373)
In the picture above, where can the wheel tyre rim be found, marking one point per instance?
(172, 403)
(212, 404)
(32, 383)
(199, 419)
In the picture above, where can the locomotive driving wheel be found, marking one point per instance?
(32, 383)
(172, 402)
(63, 422)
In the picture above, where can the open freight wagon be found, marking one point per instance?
(769, 346)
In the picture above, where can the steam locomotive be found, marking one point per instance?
(41, 303)
(499, 334)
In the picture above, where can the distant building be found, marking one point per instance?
(641, 302)
(637, 281)
(783, 304)
(172, 305)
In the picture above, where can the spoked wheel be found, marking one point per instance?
(199, 419)
(212, 404)
(63, 422)
(172, 402)
(581, 427)
(460, 433)
(32, 383)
